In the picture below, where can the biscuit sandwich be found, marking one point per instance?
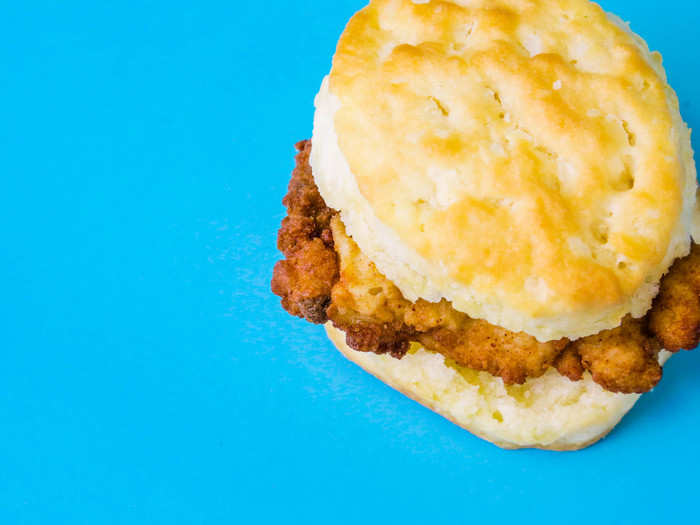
(495, 214)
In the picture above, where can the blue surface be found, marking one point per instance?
(149, 376)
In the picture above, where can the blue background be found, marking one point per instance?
(149, 376)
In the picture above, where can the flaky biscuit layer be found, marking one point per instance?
(525, 160)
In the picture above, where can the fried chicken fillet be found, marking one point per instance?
(326, 277)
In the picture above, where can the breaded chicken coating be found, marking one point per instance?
(624, 359)
(675, 315)
(305, 278)
(326, 277)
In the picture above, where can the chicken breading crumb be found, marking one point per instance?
(569, 364)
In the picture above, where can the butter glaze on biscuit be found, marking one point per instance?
(546, 179)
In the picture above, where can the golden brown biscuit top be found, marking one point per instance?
(527, 154)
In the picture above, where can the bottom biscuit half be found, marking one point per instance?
(549, 412)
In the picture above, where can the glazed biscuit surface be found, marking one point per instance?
(524, 159)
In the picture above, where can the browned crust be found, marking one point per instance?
(304, 279)
(624, 359)
(479, 345)
(317, 283)
(675, 315)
